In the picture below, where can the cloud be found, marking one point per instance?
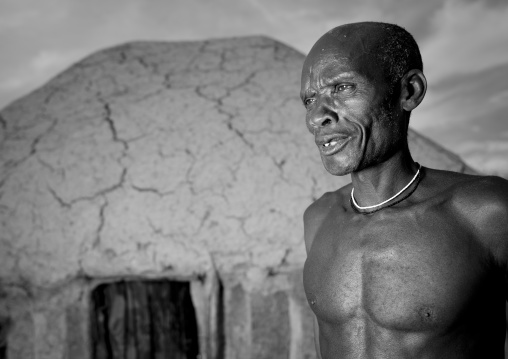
(18, 14)
(34, 72)
(476, 98)
(45, 64)
(63, 32)
(70, 29)
(500, 98)
(493, 3)
(15, 20)
(300, 22)
(468, 36)
(46, 60)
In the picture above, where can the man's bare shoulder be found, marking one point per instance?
(317, 212)
(481, 202)
(469, 190)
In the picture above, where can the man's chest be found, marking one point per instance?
(403, 274)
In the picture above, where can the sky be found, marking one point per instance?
(464, 45)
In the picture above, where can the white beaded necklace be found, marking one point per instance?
(389, 199)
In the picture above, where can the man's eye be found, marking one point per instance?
(343, 87)
(308, 102)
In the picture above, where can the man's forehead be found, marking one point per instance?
(330, 65)
(345, 42)
(350, 47)
(327, 64)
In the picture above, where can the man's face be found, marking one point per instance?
(348, 112)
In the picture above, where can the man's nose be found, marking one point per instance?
(321, 115)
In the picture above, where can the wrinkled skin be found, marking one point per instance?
(343, 92)
(424, 278)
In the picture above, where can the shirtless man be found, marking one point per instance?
(422, 275)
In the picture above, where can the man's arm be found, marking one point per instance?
(312, 219)
(310, 229)
(506, 336)
(316, 338)
(491, 222)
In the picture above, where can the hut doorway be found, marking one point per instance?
(144, 320)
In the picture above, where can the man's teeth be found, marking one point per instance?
(332, 143)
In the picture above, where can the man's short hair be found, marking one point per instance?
(398, 53)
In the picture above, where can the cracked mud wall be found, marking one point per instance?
(148, 144)
(156, 159)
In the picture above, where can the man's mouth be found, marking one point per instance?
(331, 145)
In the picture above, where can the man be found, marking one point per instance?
(406, 261)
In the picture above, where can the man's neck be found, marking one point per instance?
(378, 183)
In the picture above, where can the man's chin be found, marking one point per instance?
(338, 169)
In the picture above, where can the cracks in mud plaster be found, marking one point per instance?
(35, 142)
(147, 95)
(155, 230)
(57, 198)
(223, 60)
(239, 134)
(177, 238)
(219, 101)
(199, 54)
(204, 218)
(167, 80)
(218, 191)
(48, 166)
(33, 145)
(124, 57)
(111, 124)
(241, 221)
(280, 165)
(102, 222)
(220, 107)
(151, 67)
(152, 190)
(20, 284)
(189, 182)
(101, 193)
(274, 270)
(107, 190)
(190, 67)
(142, 62)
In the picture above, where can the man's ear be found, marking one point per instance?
(413, 89)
